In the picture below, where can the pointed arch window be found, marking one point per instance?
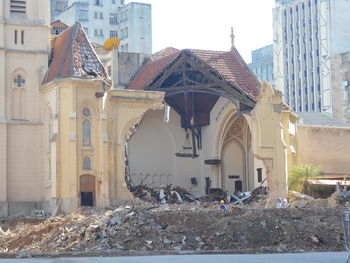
(87, 163)
(18, 102)
(86, 133)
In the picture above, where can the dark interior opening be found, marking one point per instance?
(238, 186)
(87, 198)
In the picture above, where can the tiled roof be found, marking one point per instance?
(150, 71)
(229, 64)
(99, 49)
(73, 56)
(58, 23)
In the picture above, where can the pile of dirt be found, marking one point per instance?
(143, 226)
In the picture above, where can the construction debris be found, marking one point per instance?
(163, 195)
(171, 219)
(144, 226)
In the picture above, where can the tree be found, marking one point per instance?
(299, 175)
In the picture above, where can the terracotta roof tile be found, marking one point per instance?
(73, 56)
(229, 64)
(232, 67)
(59, 23)
(151, 70)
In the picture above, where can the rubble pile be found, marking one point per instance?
(143, 226)
(168, 194)
(258, 197)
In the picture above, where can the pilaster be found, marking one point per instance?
(3, 169)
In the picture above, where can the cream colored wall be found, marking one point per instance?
(268, 141)
(152, 150)
(49, 111)
(23, 164)
(21, 123)
(156, 151)
(327, 147)
(3, 162)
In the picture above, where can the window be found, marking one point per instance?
(122, 34)
(18, 6)
(113, 1)
(86, 133)
(22, 37)
(98, 2)
(86, 30)
(113, 33)
(87, 163)
(113, 19)
(96, 32)
(122, 2)
(95, 14)
(19, 81)
(126, 15)
(86, 112)
(60, 6)
(15, 36)
(101, 32)
(101, 15)
(83, 15)
(259, 171)
(126, 47)
(126, 32)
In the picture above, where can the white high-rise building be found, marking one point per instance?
(102, 19)
(308, 36)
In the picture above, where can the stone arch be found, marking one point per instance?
(90, 105)
(227, 117)
(235, 166)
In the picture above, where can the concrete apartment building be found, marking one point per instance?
(102, 19)
(262, 63)
(309, 40)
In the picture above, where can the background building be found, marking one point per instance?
(308, 37)
(101, 20)
(262, 63)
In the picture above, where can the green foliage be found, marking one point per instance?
(298, 176)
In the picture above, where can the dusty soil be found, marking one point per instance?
(143, 226)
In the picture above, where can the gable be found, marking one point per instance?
(72, 55)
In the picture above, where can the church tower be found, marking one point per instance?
(24, 53)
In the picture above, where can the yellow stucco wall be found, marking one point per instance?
(324, 146)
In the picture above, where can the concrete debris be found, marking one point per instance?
(2, 233)
(144, 226)
(163, 195)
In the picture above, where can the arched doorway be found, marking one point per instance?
(232, 171)
(87, 190)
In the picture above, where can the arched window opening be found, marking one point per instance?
(87, 163)
(86, 133)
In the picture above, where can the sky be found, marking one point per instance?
(206, 24)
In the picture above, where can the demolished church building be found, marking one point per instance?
(79, 125)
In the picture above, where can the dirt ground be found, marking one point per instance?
(144, 226)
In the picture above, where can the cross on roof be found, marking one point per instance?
(232, 39)
(19, 81)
